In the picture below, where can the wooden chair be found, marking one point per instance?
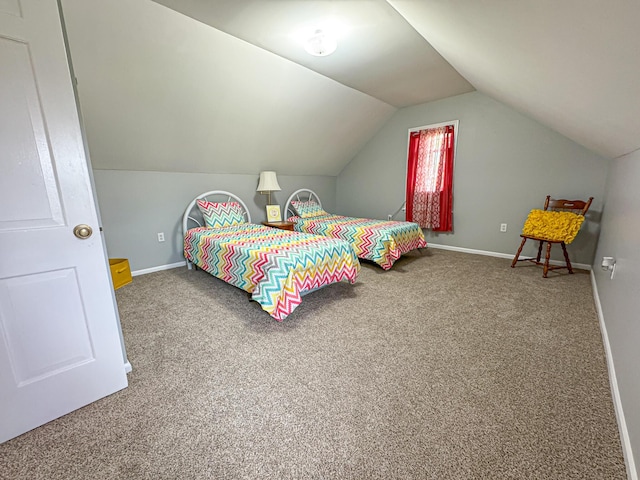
(575, 206)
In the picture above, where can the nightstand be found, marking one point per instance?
(280, 225)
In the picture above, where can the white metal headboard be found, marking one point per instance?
(193, 217)
(302, 195)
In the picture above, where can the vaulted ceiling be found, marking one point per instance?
(222, 86)
(573, 65)
(379, 52)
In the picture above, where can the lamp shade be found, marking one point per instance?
(268, 182)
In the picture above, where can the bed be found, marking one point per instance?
(380, 241)
(277, 267)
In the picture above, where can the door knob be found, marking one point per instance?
(82, 231)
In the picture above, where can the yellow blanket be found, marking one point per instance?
(551, 225)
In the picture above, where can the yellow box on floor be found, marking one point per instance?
(120, 272)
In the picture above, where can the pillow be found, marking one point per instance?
(221, 214)
(552, 225)
(308, 209)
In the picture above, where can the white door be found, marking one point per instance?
(59, 342)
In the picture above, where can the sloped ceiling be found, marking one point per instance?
(573, 65)
(378, 53)
(162, 92)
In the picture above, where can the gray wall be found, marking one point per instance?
(505, 165)
(619, 296)
(135, 206)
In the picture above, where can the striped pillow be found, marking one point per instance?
(308, 209)
(221, 214)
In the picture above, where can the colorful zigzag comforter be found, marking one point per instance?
(382, 242)
(275, 266)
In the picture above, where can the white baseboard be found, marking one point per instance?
(144, 271)
(632, 474)
(582, 266)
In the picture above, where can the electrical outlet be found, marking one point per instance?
(389, 217)
(161, 237)
(503, 227)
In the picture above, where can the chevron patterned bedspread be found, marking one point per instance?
(275, 266)
(380, 241)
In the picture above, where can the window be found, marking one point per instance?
(430, 176)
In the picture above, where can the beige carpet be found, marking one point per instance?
(449, 366)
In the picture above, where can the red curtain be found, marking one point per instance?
(446, 193)
(414, 143)
(430, 178)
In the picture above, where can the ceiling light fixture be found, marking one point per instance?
(320, 44)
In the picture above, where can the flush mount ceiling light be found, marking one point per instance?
(320, 43)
